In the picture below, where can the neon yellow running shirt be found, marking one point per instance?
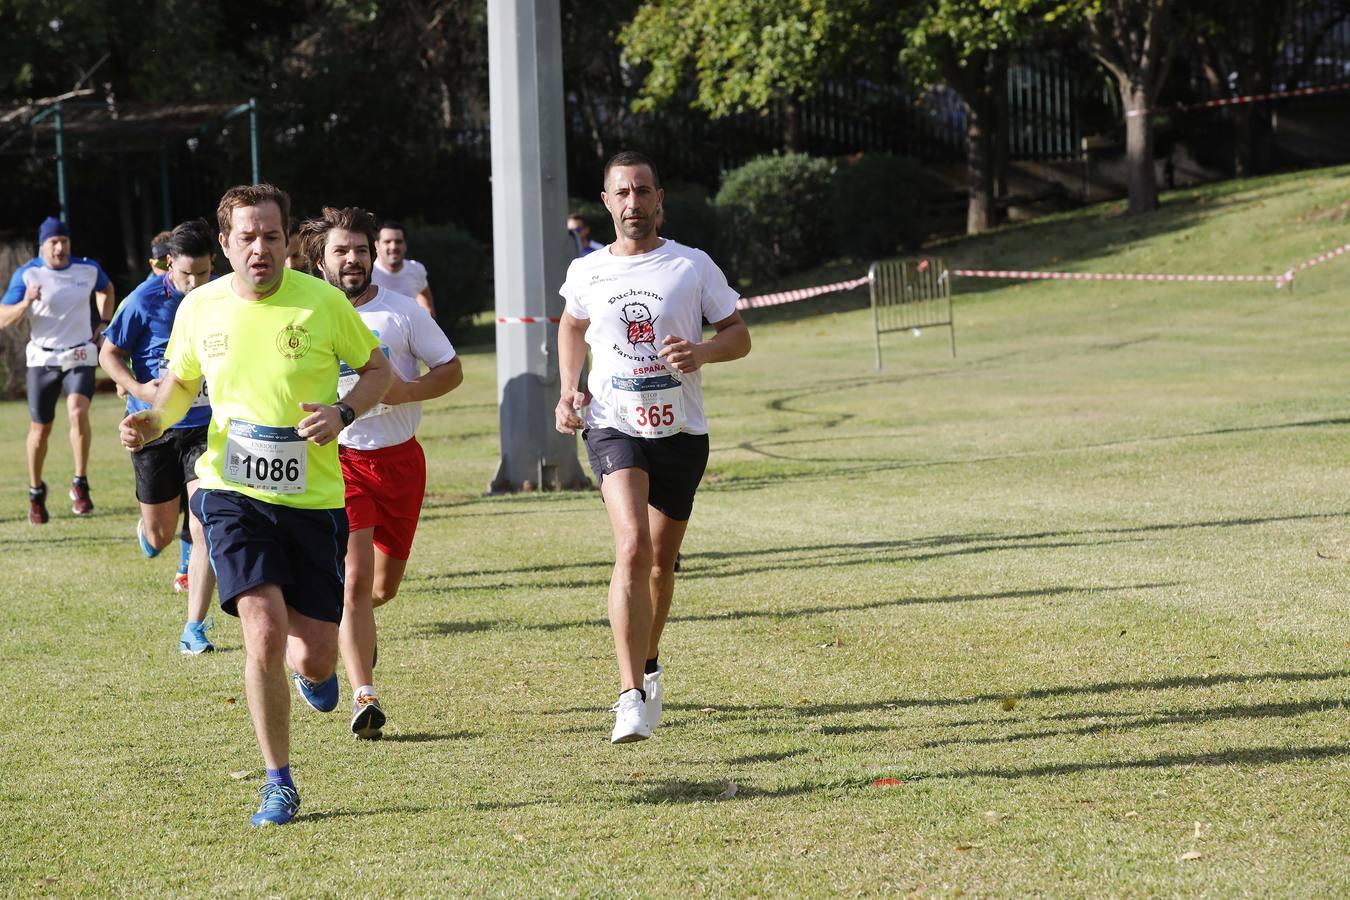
(262, 359)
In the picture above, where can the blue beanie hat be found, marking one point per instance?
(51, 227)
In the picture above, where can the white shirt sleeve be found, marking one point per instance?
(420, 281)
(719, 297)
(575, 306)
(429, 343)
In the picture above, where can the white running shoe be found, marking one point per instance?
(630, 721)
(651, 684)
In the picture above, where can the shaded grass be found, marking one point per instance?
(1079, 592)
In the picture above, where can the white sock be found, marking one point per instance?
(366, 689)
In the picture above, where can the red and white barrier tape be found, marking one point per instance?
(1318, 260)
(782, 297)
(1237, 101)
(1113, 276)
(802, 294)
(743, 303)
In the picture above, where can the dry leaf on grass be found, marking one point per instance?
(994, 815)
(729, 792)
(1009, 702)
(241, 774)
(1190, 855)
(229, 701)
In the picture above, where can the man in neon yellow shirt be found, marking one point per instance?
(270, 498)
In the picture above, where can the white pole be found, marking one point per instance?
(529, 238)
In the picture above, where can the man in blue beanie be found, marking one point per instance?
(53, 291)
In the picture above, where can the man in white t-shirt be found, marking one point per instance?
(53, 292)
(382, 462)
(398, 273)
(640, 304)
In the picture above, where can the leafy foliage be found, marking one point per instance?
(770, 212)
(743, 54)
(877, 204)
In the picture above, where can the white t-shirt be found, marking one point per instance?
(61, 330)
(410, 280)
(407, 335)
(633, 303)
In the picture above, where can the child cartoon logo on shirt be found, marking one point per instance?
(641, 325)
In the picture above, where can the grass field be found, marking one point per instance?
(1080, 593)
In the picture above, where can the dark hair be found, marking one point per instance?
(159, 245)
(630, 158)
(192, 238)
(252, 195)
(391, 224)
(314, 232)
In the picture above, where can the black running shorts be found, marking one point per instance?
(165, 467)
(251, 543)
(45, 384)
(674, 465)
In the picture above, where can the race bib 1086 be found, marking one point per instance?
(649, 407)
(265, 457)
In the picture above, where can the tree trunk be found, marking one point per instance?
(792, 125)
(998, 84)
(1139, 148)
(981, 214)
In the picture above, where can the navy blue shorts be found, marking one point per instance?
(674, 465)
(45, 384)
(304, 551)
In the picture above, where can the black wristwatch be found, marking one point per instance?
(346, 412)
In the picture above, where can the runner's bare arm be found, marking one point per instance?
(732, 341)
(15, 311)
(107, 303)
(324, 422)
(172, 401)
(425, 301)
(435, 382)
(113, 360)
(571, 357)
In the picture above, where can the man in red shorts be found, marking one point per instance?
(382, 462)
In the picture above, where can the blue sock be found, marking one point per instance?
(281, 776)
(184, 551)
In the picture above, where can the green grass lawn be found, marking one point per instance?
(1080, 592)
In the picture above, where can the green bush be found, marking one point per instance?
(459, 270)
(877, 205)
(771, 213)
(690, 218)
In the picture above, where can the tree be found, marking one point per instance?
(747, 54)
(1134, 41)
(967, 44)
(1241, 43)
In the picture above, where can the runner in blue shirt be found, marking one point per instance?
(53, 291)
(165, 468)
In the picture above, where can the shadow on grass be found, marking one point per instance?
(766, 757)
(1198, 716)
(427, 737)
(1071, 690)
(798, 612)
(1252, 756)
(354, 813)
(870, 465)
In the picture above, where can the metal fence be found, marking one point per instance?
(910, 295)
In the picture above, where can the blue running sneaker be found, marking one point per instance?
(279, 805)
(194, 641)
(322, 696)
(150, 552)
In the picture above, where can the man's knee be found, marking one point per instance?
(38, 432)
(633, 552)
(383, 593)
